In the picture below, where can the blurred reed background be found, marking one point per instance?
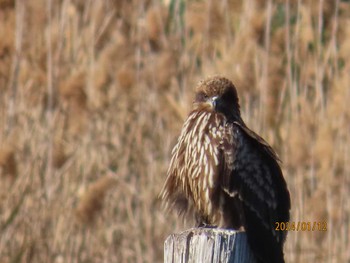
(94, 93)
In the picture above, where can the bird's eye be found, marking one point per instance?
(201, 96)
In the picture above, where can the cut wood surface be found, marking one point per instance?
(207, 245)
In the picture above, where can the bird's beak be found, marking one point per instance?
(213, 101)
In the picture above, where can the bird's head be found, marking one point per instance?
(220, 95)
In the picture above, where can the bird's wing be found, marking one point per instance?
(260, 140)
(257, 179)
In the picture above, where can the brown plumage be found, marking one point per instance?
(225, 174)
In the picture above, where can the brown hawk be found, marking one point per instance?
(226, 175)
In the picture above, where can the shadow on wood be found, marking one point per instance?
(207, 245)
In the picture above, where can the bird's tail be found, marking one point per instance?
(262, 241)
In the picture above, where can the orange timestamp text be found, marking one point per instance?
(301, 226)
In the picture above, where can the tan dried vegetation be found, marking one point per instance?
(94, 93)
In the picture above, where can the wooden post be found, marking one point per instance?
(207, 245)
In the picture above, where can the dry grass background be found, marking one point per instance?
(94, 93)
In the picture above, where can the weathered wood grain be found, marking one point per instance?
(207, 245)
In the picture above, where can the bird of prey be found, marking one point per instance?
(226, 175)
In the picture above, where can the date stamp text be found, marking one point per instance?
(301, 226)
